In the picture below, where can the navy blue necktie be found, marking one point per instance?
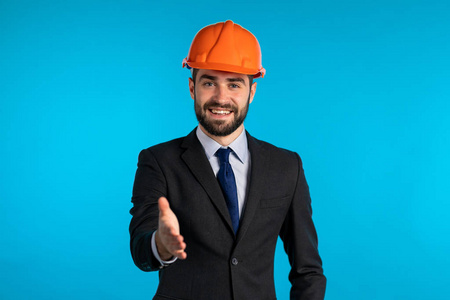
(228, 184)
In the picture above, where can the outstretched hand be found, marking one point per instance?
(168, 239)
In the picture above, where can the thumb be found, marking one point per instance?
(163, 205)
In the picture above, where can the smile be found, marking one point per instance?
(220, 111)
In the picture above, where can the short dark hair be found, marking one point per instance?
(195, 71)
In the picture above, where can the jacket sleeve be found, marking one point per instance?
(300, 243)
(149, 185)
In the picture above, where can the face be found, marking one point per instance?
(221, 100)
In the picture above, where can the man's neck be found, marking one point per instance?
(224, 140)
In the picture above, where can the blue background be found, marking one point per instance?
(360, 89)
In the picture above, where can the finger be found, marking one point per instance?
(174, 249)
(172, 240)
(179, 252)
(163, 205)
(181, 255)
(175, 243)
(173, 231)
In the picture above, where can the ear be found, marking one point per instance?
(192, 88)
(252, 91)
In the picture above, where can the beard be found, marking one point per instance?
(220, 127)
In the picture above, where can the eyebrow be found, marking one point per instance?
(236, 79)
(213, 78)
(209, 77)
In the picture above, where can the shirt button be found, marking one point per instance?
(234, 261)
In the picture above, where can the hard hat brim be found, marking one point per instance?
(224, 67)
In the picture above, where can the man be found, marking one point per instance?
(209, 207)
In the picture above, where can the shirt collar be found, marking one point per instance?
(239, 145)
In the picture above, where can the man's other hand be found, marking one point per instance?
(168, 239)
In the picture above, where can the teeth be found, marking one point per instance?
(220, 112)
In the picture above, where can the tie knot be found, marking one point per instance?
(223, 154)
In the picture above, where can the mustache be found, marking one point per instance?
(215, 104)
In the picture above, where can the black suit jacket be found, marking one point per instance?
(220, 264)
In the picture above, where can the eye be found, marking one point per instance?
(234, 86)
(208, 83)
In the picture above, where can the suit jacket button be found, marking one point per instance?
(234, 261)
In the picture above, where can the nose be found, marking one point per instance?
(221, 93)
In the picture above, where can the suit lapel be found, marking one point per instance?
(259, 159)
(195, 158)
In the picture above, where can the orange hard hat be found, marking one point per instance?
(225, 46)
